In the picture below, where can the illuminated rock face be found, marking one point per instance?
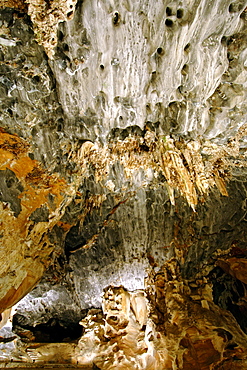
(123, 171)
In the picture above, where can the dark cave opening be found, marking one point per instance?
(229, 294)
(51, 332)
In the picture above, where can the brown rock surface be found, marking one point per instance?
(25, 244)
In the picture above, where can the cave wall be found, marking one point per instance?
(122, 157)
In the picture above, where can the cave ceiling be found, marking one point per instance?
(123, 182)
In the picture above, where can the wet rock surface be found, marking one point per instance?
(123, 183)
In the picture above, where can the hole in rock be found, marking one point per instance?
(181, 89)
(185, 69)
(10, 112)
(224, 40)
(229, 294)
(168, 11)
(102, 66)
(230, 57)
(51, 332)
(231, 346)
(10, 182)
(243, 15)
(180, 13)
(65, 47)
(60, 124)
(231, 8)
(116, 19)
(36, 79)
(187, 47)
(160, 51)
(69, 14)
(144, 147)
(148, 108)
(224, 333)
(153, 77)
(235, 7)
(60, 35)
(169, 23)
(31, 155)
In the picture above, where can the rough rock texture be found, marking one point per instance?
(25, 226)
(123, 174)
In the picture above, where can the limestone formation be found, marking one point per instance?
(123, 134)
